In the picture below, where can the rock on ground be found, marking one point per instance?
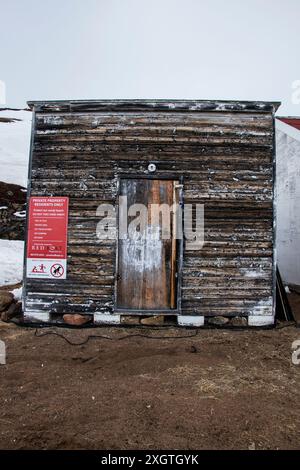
(76, 319)
(6, 299)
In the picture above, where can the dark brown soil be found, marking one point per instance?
(13, 203)
(218, 390)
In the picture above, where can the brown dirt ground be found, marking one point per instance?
(219, 390)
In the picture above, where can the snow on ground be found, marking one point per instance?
(17, 293)
(14, 156)
(14, 147)
(11, 261)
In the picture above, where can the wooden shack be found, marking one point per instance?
(218, 154)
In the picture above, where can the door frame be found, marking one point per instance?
(179, 257)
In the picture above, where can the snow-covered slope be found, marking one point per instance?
(14, 156)
(11, 261)
(14, 147)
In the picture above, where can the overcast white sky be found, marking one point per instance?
(197, 49)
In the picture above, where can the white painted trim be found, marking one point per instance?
(287, 129)
(260, 320)
(36, 315)
(107, 318)
(190, 320)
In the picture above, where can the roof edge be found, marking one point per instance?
(287, 129)
(154, 105)
(288, 117)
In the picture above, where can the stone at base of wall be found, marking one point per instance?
(260, 320)
(107, 318)
(36, 316)
(190, 320)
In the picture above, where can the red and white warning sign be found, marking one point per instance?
(47, 237)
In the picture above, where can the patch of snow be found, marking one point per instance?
(20, 214)
(11, 261)
(3, 207)
(14, 147)
(287, 290)
(253, 274)
(17, 293)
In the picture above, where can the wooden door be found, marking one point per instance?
(146, 278)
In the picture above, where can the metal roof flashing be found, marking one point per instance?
(154, 105)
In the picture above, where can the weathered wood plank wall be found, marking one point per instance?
(225, 155)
